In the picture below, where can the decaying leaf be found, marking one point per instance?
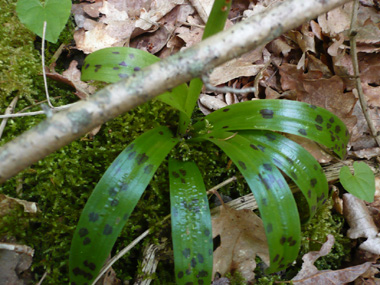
(361, 223)
(8, 203)
(309, 274)
(242, 237)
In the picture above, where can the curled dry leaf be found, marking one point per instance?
(71, 77)
(361, 223)
(242, 237)
(7, 204)
(309, 274)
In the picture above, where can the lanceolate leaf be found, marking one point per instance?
(113, 200)
(292, 117)
(295, 162)
(191, 224)
(116, 63)
(33, 14)
(277, 207)
(215, 24)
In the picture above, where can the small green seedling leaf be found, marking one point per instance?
(191, 224)
(33, 14)
(361, 184)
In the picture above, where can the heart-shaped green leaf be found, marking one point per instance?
(33, 14)
(361, 184)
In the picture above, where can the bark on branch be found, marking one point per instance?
(66, 126)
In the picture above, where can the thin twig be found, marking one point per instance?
(354, 58)
(8, 111)
(43, 66)
(42, 278)
(220, 185)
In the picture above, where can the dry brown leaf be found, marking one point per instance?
(309, 274)
(361, 223)
(7, 204)
(242, 66)
(242, 237)
(15, 265)
(71, 77)
(327, 93)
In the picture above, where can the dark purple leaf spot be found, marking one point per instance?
(86, 241)
(116, 52)
(302, 132)
(313, 182)
(225, 127)
(202, 273)
(313, 107)
(148, 168)
(207, 232)
(124, 187)
(275, 259)
(266, 113)
(122, 63)
(193, 262)
(332, 120)
(283, 240)
(86, 66)
(123, 75)
(93, 217)
(328, 125)
(90, 265)
(200, 258)
(183, 181)
(141, 158)
(269, 228)
(254, 147)
(337, 129)
(309, 193)
(267, 166)
(265, 182)
(260, 147)
(183, 172)
(242, 165)
(264, 201)
(131, 55)
(112, 192)
(132, 155)
(270, 136)
(114, 202)
(136, 68)
(188, 272)
(83, 232)
(180, 274)
(175, 174)
(210, 252)
(226, 110)
(107, 230)
(319, 119)
(318, 127)
(186, 252)
(116, 68)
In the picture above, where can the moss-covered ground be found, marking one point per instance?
(62, 182)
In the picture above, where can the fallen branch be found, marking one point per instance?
(68, 125)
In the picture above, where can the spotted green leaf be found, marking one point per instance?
(286, 116)
(295, 162)
(113, 200)
(115, 63)
(360, 184)
(191, 224)
(276, 203)
(33, 14)
(215, 24)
